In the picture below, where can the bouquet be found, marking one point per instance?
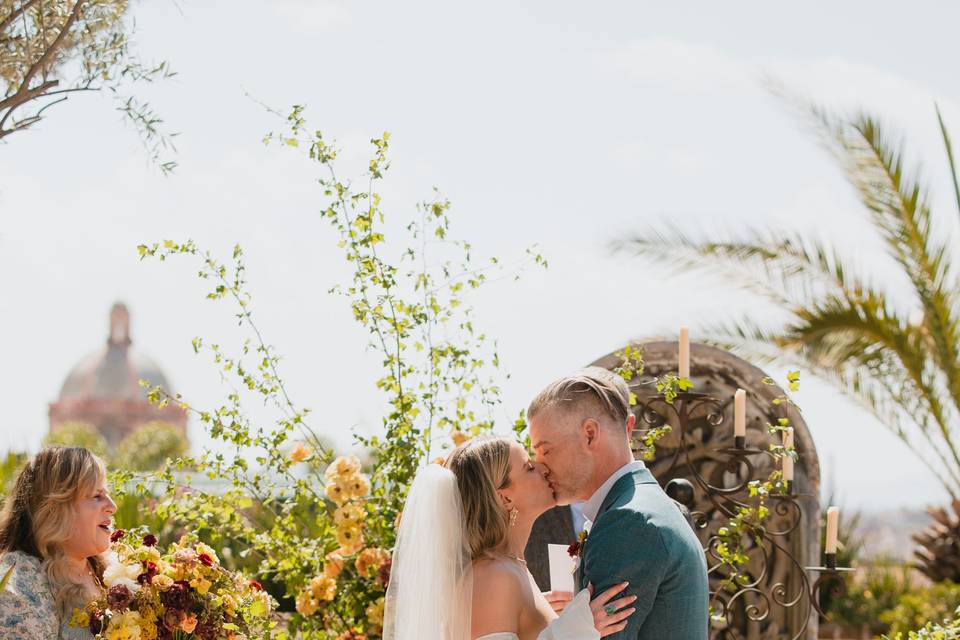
(183, 594)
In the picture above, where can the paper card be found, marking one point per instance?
(562, 566)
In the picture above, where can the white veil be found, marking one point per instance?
(431, 586)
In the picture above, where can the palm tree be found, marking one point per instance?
(897, 355)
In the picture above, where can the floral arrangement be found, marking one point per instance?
(347, 487)
(182, 594)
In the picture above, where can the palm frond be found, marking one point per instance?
(949, 148)
(874, 163)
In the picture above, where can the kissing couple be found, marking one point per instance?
(458, 569)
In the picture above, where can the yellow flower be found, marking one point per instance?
(148, 630)
(162, 582)
(370, 560)
(375, 616)
(440, 461)
(459, 437)
(307, 605)
(80, 618)
(358, 486)
(337, 491)
(300, 452)
(349, 515)
(229, 604)
(202, 585)
(343, 466)
(125, 626)
(323, 588)
(350, 540)
(334, 564)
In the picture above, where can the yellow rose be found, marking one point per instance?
(343, 466)
(349, 514)
(161, 581)
(307, 605)
(370, 560)
(323, 588)
(358, 486)
(375, 616)
(337, 491)
(334, 564)
(229, 604)
(350, 540)
(300, 452)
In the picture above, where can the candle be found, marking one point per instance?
(740, 413)
(684, 368)
(788, 438)
(833, 527)
(787, 463)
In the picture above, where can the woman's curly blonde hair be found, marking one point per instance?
(37, 516)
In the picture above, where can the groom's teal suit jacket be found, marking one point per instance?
(641, 537)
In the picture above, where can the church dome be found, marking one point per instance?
(114, 371)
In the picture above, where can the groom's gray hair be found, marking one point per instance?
(593, 385)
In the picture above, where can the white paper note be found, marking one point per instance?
(561, 568)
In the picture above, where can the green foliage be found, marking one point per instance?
(50, 49)
(149, 447)
(79, 434)
(874, 589)
(931, 604)
(895, 353)
(289, 508)
(10, 466)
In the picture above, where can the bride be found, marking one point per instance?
(458, 568)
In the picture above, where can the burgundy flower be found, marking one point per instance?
(384, 577)
(172, 618)
(116, 535)
(256, 585)
(147, 575)
(96, 622)
(177, 596)
(119, 597)
(205, 559)
(574, 549)
(150, 540)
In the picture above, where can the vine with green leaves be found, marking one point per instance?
(318, 530)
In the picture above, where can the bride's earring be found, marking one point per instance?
(513, 516)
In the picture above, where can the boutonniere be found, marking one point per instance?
(576, 549)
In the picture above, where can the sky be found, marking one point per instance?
(553, 123)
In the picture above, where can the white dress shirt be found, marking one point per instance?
(592, 506)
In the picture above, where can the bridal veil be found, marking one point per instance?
(431, 587)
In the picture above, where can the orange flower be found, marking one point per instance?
(300, 452)
(370, 560)
(334, 564)
(323, 588)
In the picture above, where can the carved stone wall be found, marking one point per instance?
(773, 604)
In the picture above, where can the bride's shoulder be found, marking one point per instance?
(496, 573)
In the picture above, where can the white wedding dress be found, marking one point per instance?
(431, 583)
(575, 623)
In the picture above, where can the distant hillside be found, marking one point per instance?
(887, 533)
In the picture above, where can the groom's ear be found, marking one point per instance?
(631, 422)
(591, 429)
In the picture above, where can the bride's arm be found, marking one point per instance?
(496, 601)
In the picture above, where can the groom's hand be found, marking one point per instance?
(558, 599)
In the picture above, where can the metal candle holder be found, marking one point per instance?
(755, 599)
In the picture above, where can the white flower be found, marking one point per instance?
(125, 574)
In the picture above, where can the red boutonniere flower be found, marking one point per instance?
(576, 549)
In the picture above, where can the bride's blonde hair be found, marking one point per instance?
(482, 467)
(37, 517)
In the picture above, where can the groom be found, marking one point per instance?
(580, 428)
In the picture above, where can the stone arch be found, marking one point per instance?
(719, 374)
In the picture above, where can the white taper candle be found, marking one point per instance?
(740, 413)
(833, 529)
